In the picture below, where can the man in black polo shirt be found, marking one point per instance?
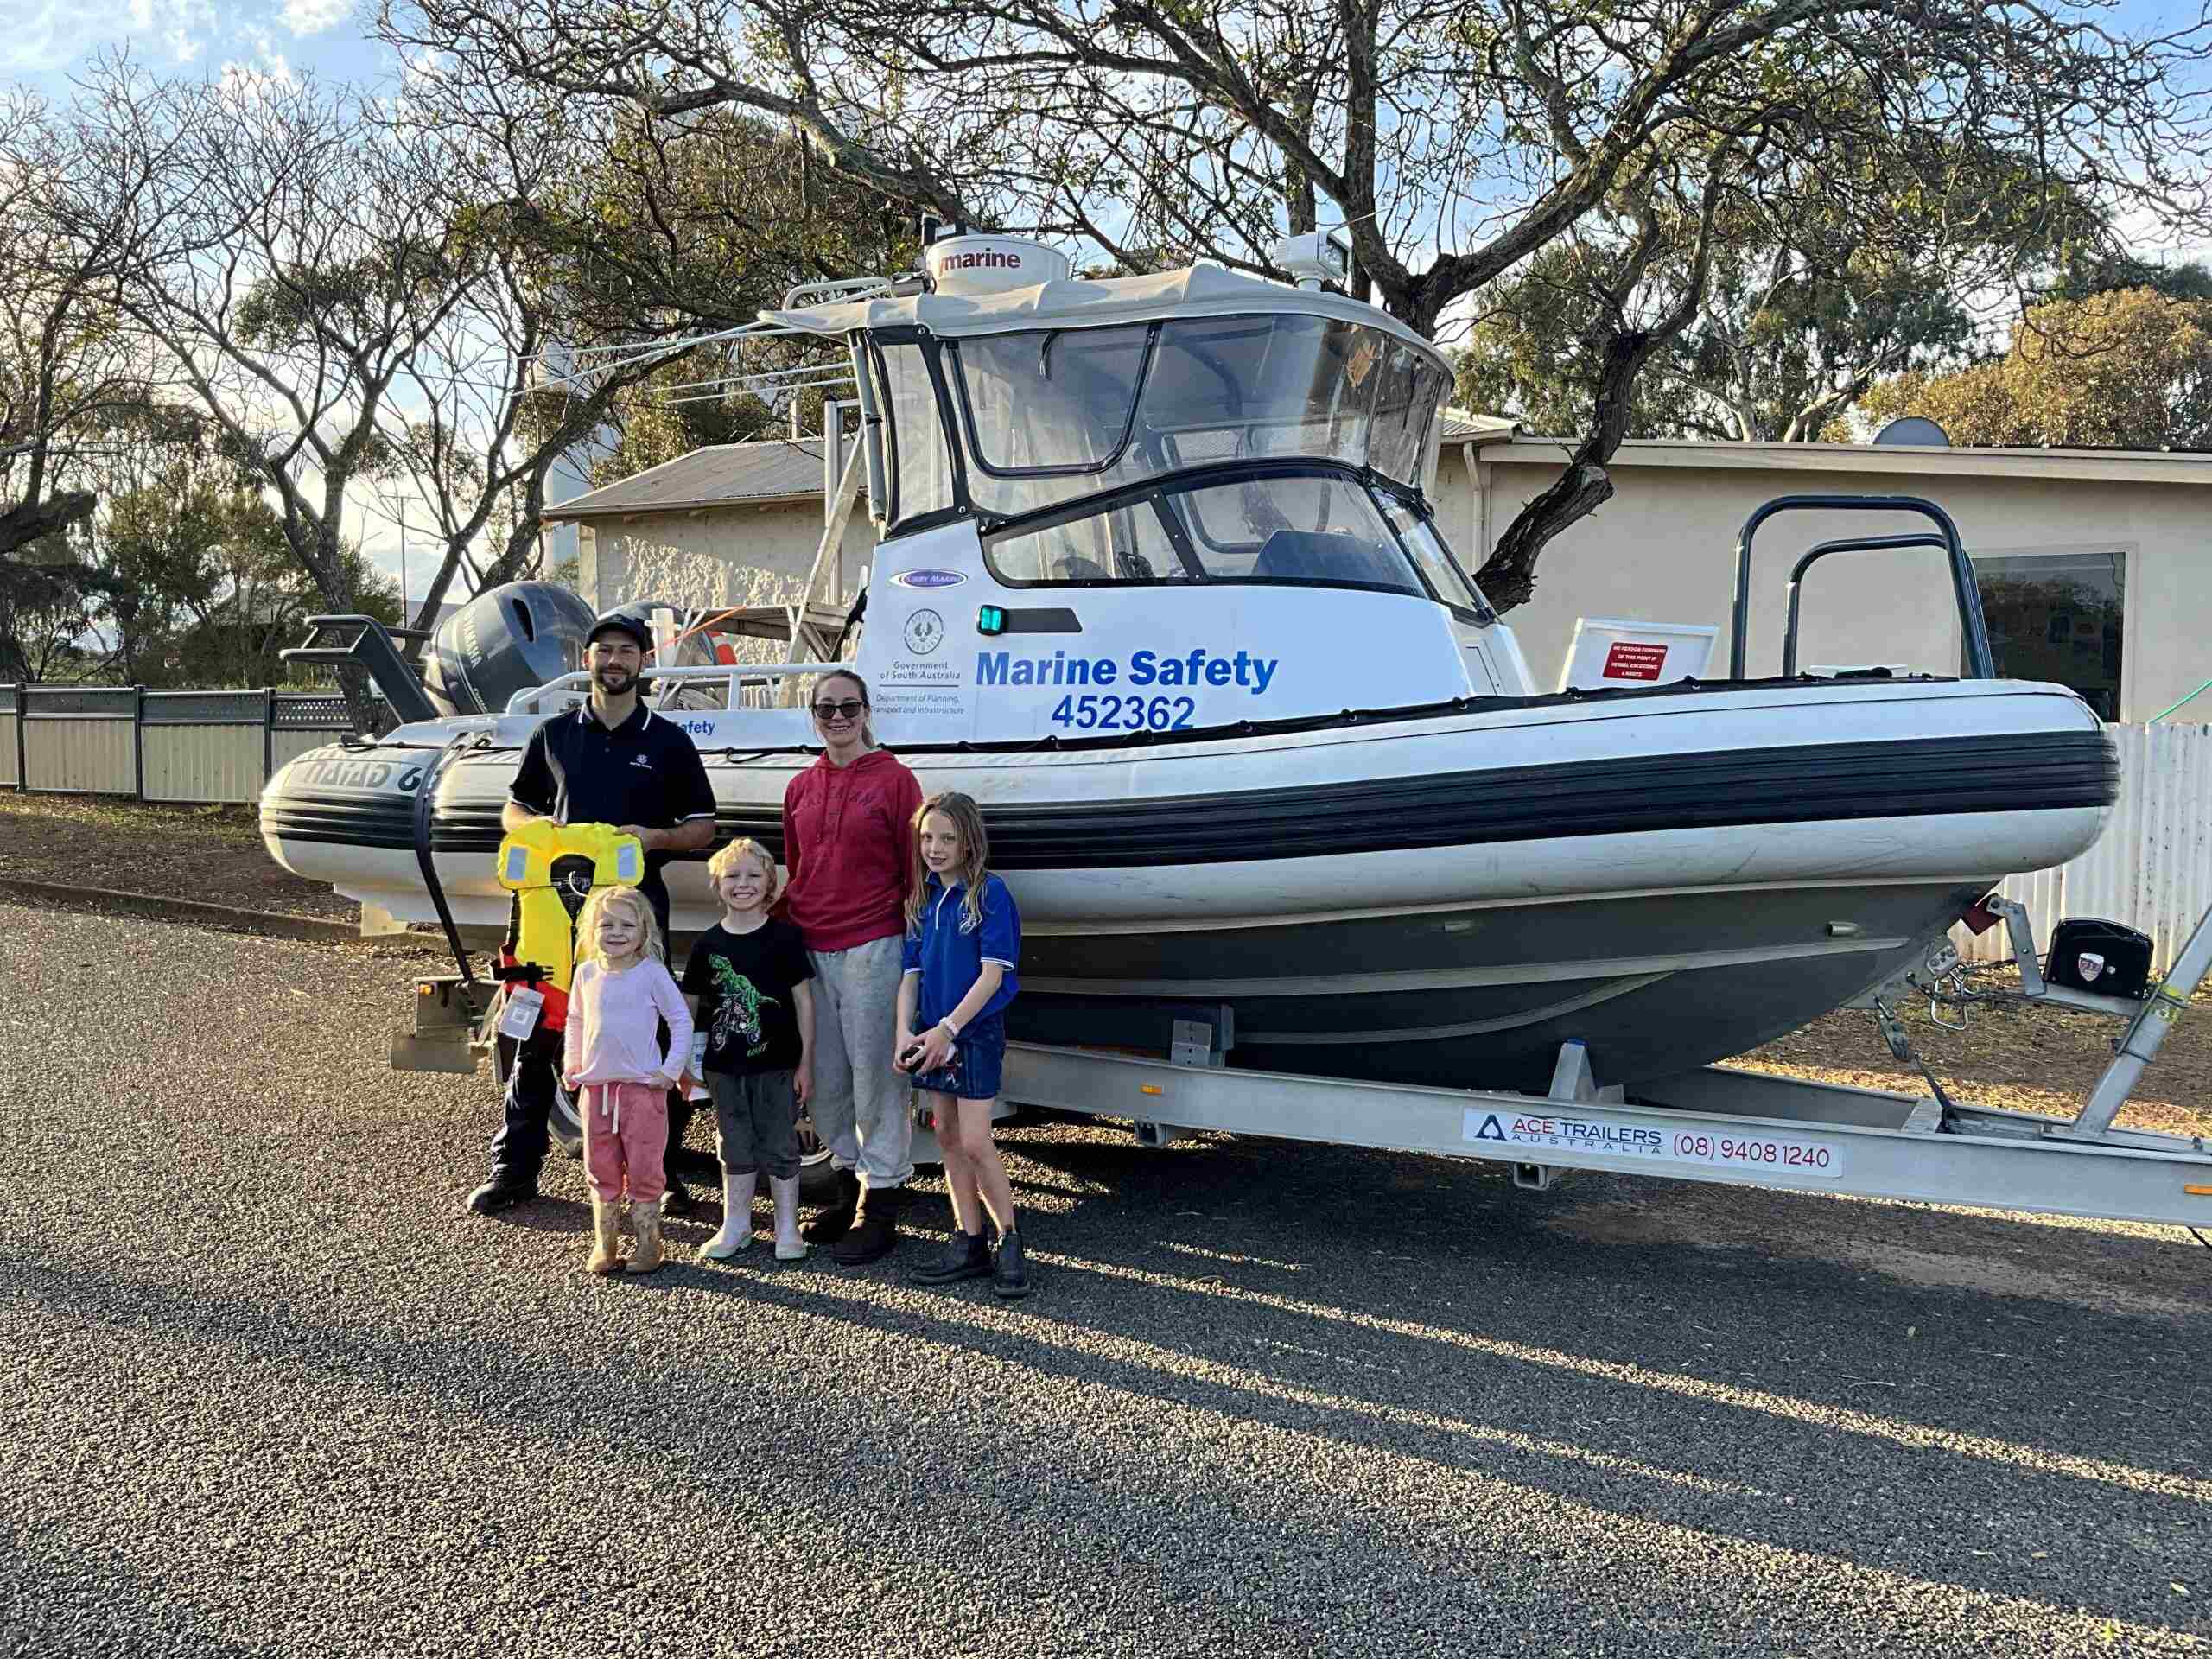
(611, 762)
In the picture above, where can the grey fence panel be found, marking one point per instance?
(203, 762)
(80, 701)
(79, 739)
(159, 745)
(287, 746)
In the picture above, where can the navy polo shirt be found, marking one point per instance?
(645, 771)
(949, 948)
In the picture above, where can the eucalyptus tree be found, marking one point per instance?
(1451, 143)
(2123, 369)
(71, 371)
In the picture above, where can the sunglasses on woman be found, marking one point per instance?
(849, 709)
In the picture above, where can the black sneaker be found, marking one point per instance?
(965, 1256)
(498, 1194)
(1009, 1272)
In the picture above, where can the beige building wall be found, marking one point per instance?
(1660, 550)
(1663, 551)
(745, 555)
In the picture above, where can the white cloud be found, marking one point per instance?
(44, 36)
(179, 28)
(305, 17)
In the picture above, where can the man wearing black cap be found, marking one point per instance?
(611, 762)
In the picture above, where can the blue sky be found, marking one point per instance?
(41, 40)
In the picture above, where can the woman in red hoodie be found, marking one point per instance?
(848, 845)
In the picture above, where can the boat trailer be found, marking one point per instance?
(1719, 1123)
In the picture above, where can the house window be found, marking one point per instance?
(2056, 617)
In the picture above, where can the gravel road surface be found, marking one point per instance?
(267, 1390)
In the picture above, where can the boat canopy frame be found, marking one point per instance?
(1980, 662)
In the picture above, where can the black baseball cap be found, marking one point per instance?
(622, 621)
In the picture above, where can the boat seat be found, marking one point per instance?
(1074, 569)
(1325, 555)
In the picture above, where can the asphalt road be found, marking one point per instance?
(267, 1389)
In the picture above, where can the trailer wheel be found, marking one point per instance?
(564, 1128)
(817, 1177)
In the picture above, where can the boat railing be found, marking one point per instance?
(733, 675)
(1980, 662)
(1846, 544)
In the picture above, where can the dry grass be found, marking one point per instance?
(2012, 1057)
(212, 854)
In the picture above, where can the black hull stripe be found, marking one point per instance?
(1629, 796)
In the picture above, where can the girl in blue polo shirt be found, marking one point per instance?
(963, 938)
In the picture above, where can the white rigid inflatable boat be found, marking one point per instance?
(1160, 588)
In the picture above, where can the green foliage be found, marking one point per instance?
(2095, 270)
(2127, 370)
(1537, 351)
(1827, 271)
(657, 422)
(48, 601)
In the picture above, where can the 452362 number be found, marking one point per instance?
(1110, 712)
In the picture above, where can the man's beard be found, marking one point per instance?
(615, 680)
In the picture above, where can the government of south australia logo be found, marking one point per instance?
(924, 632)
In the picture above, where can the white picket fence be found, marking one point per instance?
(2151, 869)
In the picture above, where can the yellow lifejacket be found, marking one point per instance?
(544, 930)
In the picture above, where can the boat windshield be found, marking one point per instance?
(1046, 416)
(1276, 524)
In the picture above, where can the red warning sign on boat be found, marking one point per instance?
(1627, 659)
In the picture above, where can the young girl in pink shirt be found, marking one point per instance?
(621, 994)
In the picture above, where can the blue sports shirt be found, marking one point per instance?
(950, 950)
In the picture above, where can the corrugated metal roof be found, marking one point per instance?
(728, 474)
(1459, 425)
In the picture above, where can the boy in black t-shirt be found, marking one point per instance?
(746, 980)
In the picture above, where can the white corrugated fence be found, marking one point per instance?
(2151, 869)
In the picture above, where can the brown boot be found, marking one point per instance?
(606, 1234)
(645, 1254)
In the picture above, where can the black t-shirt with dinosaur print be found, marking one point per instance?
(743, 982)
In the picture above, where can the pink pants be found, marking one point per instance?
(626, 1134)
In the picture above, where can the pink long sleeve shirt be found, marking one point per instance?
(610, 1034)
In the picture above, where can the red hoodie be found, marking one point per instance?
(848, 843)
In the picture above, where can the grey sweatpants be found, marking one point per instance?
(863, 1104)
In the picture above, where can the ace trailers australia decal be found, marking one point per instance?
(1133, 693)
(1786, 1156)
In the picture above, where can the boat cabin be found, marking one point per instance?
(1150, 504)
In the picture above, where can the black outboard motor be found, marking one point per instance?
(505, 641)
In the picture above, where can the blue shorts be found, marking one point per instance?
(978, 1058)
